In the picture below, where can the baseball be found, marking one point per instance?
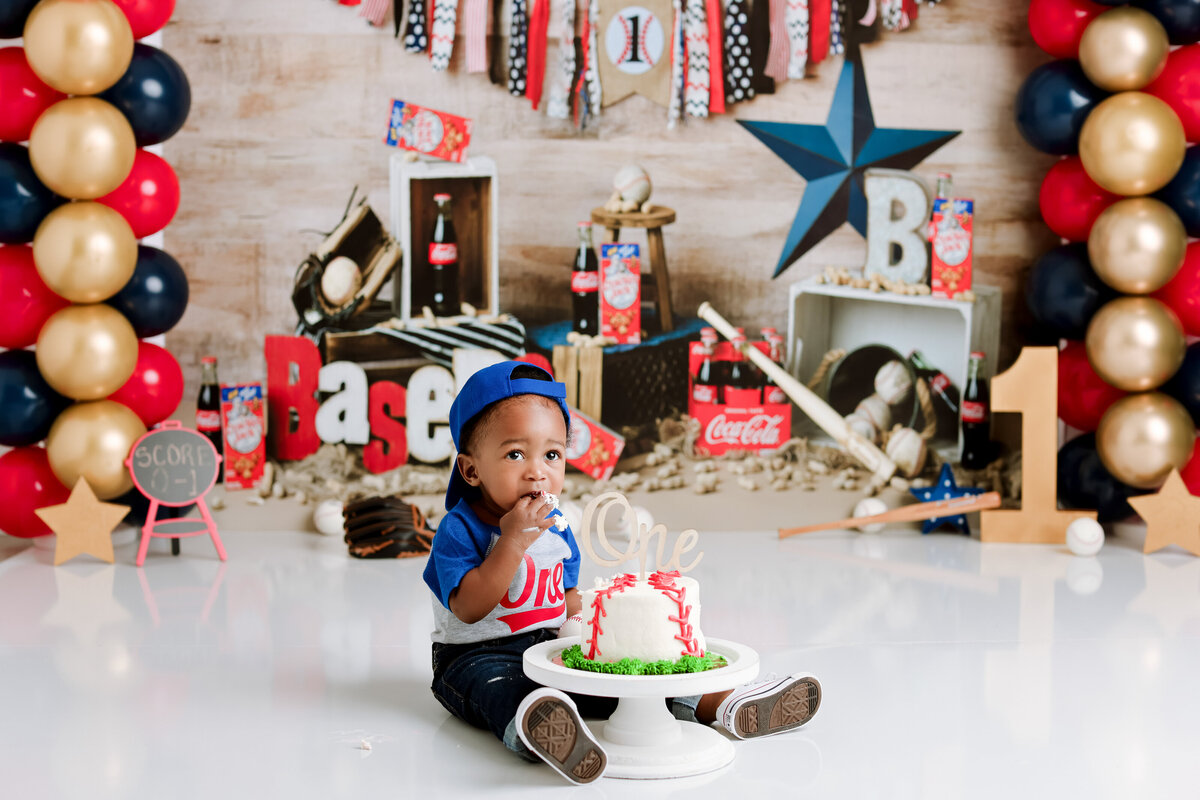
(633, 184)
(906, 448)
(327, 517)
(876, 409)
(863, 427)
(340, 280)
(869, 507)
(1085, 537)
(892, 382)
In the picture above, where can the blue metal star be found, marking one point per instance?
(832, 158)
(945, 489)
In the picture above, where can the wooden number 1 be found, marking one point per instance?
(1030, 388)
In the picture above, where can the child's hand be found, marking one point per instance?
(527, 520)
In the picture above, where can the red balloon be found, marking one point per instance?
(23, 95)
(1182, 293)
(25, 301)
(26, 484)
(154, 390)
(1071, 201)
(1191, 472)
(1057, 25)
(1179, 87)
(1083, 396)
(146, 16)
(148, 198)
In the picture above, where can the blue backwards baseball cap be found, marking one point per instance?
(487, 386)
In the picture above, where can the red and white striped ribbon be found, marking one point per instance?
(375, 11)
(475, 19)
(779, 53)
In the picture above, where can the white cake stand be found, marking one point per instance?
(642, 739)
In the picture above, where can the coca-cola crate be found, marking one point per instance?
(755, 427)
(472, 187)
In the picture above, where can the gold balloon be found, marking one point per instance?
(1137, 245)
(1143, 437)
(1132, 144)
(1124, 48)
(92, 440)
(82, 148)
(1135, 343)
(85, 252)
(87, 352)
(78, 46)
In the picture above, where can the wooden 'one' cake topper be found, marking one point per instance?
(639, 542)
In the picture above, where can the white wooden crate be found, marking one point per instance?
(822, 317)
(474, 189)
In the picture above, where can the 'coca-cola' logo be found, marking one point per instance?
(585, 281)
(443, 253)
(760, 430)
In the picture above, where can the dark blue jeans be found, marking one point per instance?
(482, 683)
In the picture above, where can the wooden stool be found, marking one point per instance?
(653, 222)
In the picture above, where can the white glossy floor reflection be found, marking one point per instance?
(951, 669)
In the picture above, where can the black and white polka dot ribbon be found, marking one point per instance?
(416, 37)
(739, 75)
(837, 27)
(518, 45)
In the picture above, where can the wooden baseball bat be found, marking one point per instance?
(909, 513)
(820, 412)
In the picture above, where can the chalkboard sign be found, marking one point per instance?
(173, 465)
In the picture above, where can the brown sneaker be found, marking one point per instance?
(771, 706)
(550, 726)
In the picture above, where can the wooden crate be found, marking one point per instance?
(472, 186)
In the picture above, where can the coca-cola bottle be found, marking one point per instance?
(585, 284)
(945, 393)
(706, 386)
(771, 391)
(443, 260)
(208, 407)
(977, 440)
(739, 389)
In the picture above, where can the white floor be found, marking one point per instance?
(950, 669)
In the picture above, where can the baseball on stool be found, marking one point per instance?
(633, 184)
(327, 517)
(1085, 537)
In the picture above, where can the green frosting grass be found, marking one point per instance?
(574, 658)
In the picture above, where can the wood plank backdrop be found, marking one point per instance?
(290, 100)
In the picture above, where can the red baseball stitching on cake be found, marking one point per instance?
(665, 583)
(619, 584)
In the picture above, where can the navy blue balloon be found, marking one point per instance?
(1083, 482)
(154, 95)
(1183, 192)
(156, 296)
(1063, 292)
(12, 17)
(24, 200)
(1052, 105)
(28, 406)
(1185, 386)
(1181, 18)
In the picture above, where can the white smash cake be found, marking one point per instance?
(656, 619)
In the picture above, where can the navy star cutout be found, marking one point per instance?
(832, 158)
(945, 489)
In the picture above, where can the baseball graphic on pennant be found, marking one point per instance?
(635, 46)
(634, 40)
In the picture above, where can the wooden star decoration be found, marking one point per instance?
(83, 524)
(945, 489)
(1172, 516)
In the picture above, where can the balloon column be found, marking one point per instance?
(1122, 106)
(78, 100)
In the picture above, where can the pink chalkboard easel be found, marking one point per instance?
(175, 466)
